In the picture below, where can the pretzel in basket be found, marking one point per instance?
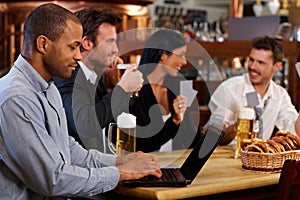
(270, 155)
(282, 141)
(293, 140)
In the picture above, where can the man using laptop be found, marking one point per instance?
(178, 177)
(38, 159)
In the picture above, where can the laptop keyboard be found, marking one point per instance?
(167, 175)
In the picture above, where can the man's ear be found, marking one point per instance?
(87, 44)
(277, 66)
(42, 44)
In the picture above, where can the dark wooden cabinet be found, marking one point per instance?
(14, 13)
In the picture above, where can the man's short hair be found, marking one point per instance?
(49, 20)
(92, 18)
(268, 43)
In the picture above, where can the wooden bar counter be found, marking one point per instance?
(221, 177)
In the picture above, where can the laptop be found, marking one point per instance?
(183, 176)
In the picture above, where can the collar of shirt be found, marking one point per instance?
(33, 77)
(90, 75)
(267, 97)
(48, 89)
(248, 87)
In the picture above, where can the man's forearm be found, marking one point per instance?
(230, 133)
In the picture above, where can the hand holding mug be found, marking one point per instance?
(112, 72)
(132, 79)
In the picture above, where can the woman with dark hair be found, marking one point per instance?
(163, 122)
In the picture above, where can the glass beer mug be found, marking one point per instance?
(244, 127)
(124, 133)
(121, 69)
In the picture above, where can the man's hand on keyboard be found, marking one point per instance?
(138, 165)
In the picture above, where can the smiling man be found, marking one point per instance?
(265, 59)
(87, 102)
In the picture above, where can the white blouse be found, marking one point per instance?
(168, 145)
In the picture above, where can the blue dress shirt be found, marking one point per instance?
(38, 159)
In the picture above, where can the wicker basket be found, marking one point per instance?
(268, 162)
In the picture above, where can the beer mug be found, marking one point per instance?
(121, 68)
(244, 127)
(124, 133)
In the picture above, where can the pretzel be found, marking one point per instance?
(271, 148)
(289, 141)
(245, 143)
(281, 142)
(277, 146)
(278, 139)
(262, 145)
(282, 133)
(253, 147)
(295, 139)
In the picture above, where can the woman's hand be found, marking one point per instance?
(180, 106)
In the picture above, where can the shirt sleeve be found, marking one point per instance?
(89, 158)
(39, 159)
(287, 114)
(221, 107)
(120, 101)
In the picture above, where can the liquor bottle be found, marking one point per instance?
(206, 34)
(181, 20)
(159, 14)
(167, 18)
(219, 37)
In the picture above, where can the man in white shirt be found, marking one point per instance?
(265, 59)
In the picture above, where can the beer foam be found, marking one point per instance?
(123, 66)
(246, 113)
(126, 120)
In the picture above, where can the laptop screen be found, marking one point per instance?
(201, 152)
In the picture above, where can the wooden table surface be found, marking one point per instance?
(222, 173)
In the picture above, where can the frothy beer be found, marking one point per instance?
(121, 69)
(244, 127)
(126, 134)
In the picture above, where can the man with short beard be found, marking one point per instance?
(277, 110)
(88, 105)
